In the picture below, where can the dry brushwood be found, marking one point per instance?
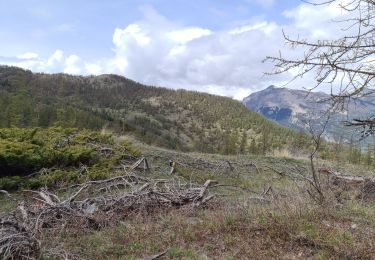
(113, 198)
(16, 242)
(139, 163)
(91, 205)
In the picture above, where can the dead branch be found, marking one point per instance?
(16, 242)
(344, 65)
(157, 256)
(139, 162)
(91, 205)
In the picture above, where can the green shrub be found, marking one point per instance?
(24, 151)
(62, 152)
(10, 183)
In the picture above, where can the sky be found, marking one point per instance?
(215, 46)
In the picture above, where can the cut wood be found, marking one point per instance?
(157, 256)
(346, 178)
(365, 185)
(139, 162)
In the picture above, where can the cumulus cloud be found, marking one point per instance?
(93, 68)
(158, 51)
(318, 21)
(72, 65)
(55, 58)
(28, 56)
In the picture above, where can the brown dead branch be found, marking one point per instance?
(139, 163)
(92, 205)
(157, 256)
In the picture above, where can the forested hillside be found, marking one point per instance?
(184, 120)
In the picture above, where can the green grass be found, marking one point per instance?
(225, 233)
(7, 204)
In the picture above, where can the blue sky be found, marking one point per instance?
(210, 45)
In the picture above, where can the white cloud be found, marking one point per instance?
(196, 58)
(263, 26)
(56, 57)
(318, 21)
(185, 35)
(28, 56)
(132, 32)
(72, 65)
(160, 52)
(93, 68)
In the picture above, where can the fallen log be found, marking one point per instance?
(346, 178)
(365, 185)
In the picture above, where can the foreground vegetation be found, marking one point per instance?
(31, 158)
(261, 209)
(234, 231)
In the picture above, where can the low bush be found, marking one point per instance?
(60, 153)
(10, 183)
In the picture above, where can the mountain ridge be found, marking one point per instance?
(176, 119)
(293, 108)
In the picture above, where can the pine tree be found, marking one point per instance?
(243, 142)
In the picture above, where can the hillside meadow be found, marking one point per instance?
(260, 206)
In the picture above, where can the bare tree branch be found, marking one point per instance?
(345, 64)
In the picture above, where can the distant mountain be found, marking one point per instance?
(294, 108)
(176, 119)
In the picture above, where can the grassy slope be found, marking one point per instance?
(236, 225)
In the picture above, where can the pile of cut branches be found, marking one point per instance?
(91, 205)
